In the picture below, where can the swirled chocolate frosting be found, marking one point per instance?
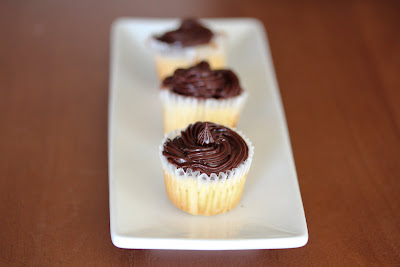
(202, 82)
(190, 33)
(206, 147)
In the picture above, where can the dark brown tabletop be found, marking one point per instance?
(338, 68)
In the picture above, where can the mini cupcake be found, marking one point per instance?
(191, 43)
(201, 94)
(205, 167)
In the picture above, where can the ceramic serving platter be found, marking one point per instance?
(270, 214)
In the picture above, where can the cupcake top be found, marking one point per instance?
(190, 33)
(202, 82)
(206, 147)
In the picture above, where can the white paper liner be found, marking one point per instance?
(215, 46)
(231, 176)
(201, 109)
(169, 98)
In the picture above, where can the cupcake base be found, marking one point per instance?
(168, 58)
(205, 199)
(180, 111)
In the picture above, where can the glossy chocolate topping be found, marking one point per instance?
(202, 82)
(206, 147)
(190, 33)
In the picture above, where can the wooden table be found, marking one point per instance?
(337, 64)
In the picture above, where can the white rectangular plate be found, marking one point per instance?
(270, 213)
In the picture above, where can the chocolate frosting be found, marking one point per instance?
(206, 147)
(202, 82)
(190, 33)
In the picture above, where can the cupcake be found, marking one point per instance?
(201, 94)
(205, 167)
(191, 43)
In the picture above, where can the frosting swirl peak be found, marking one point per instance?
(226, 151)
(202, 82)
(205, 136)
(190, 33)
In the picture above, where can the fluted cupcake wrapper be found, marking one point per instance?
(169, 57)
(201, 194)
(179, 111)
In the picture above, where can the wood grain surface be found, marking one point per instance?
(338, 67)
